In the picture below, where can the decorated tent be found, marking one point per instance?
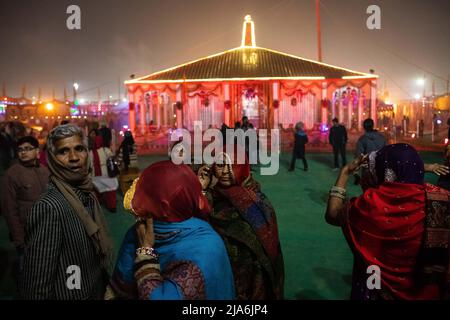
(271, 88)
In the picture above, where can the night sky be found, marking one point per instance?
(119, 38)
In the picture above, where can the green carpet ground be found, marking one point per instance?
(318, 262)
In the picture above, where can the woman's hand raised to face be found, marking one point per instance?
(356, 164)
(204, 176)
(145, 232)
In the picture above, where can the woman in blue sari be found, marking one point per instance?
(172, 253)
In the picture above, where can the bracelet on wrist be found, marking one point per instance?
(147, 251)
(338, 189)
(336, 195)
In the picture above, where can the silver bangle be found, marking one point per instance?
(344, 194)
(338, 189)
(337, 195)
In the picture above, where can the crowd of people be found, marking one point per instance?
(28, 170)
(210, 232)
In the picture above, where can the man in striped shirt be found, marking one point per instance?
(67, 250)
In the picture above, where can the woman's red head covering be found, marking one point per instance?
(170, 193)
(241, 171)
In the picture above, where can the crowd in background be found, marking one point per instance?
(211, 232)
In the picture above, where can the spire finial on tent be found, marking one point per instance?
(248, 32)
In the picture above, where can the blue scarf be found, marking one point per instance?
(193, 240)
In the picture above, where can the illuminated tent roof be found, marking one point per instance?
(249, 62)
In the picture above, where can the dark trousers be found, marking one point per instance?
(339, 149)
(294, 158)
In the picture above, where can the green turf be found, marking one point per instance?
(318, 262)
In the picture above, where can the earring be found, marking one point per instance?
(128, 198)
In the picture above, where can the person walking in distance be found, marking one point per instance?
(338, 139)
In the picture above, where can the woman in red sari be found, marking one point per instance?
(399, 224)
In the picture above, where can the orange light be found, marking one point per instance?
(248, 23)
(223, 79)
(49, 106)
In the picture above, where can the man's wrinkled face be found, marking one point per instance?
(72, 153)
(27, 153)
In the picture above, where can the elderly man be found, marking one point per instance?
(67, 250)
(23, 185)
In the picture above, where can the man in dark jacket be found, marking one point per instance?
(299, 147)
(338, 139)
(23, 184)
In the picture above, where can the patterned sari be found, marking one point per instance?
(245, 219)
